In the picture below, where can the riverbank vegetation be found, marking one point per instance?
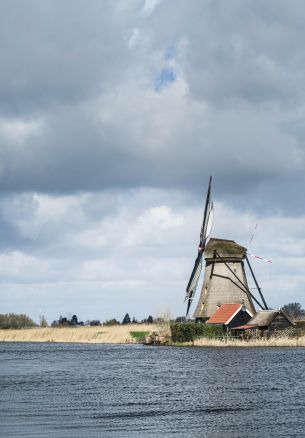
(187, 332)
(134, 333)
(283, 341)
(116, 334)
(158, 330)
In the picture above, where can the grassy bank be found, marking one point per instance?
(272, 342)
(129, 334)
(118, 334)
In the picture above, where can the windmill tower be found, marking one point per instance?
(225, 280)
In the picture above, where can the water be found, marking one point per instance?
(77, 390)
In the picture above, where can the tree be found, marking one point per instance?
(126, 319)
(74, 320)
(15, 321)
(150, 320)
(110, 322)
(95, 322)
(134, 320)
(63, 320)
(42, 321)
(294, 310)
(180, 319)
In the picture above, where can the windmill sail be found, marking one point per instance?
(204, 234)
(210, 221)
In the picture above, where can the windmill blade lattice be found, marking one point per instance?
(204, 234)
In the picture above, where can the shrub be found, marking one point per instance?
(189, 331)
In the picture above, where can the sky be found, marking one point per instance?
(113, 115)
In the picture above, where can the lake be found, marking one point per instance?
(77, 390)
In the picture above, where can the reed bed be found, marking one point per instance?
(121, 334)
(284, 341)
(117, 334)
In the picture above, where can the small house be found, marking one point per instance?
(267, 320)
(231, 315)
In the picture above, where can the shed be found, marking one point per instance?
(230, 315)
(269, 320)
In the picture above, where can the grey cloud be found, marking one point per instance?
(239, 50)
(75, 150)
(71, 70)
(60, 52)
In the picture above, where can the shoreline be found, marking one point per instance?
(122, 334)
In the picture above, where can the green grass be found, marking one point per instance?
(138, 335)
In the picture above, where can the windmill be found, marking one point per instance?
(225, 280)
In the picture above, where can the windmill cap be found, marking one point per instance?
(224, 248)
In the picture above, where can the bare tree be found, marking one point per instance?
(294, 310)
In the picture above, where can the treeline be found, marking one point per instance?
(15, 321)
(73, 321)
(128, 320)
(63, 321)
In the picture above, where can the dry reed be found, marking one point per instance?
(284, 341)
(120, 334)
(117, 334)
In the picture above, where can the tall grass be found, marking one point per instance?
(118, 334)
(284, 341)
(121, 334)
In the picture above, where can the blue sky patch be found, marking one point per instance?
(164, 78)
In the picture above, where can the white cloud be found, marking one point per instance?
(139, 254)
(17, 131)
(134, 38)
(154, 227)
(150, 5)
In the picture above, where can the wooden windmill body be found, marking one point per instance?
(225, 279)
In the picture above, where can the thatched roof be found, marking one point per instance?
(225, 248)
(264, 318)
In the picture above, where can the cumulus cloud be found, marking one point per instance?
(152, 106)
(137, 252)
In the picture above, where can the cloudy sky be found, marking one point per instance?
(113, 114)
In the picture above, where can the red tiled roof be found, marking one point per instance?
(224, 313)
(245, 327)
